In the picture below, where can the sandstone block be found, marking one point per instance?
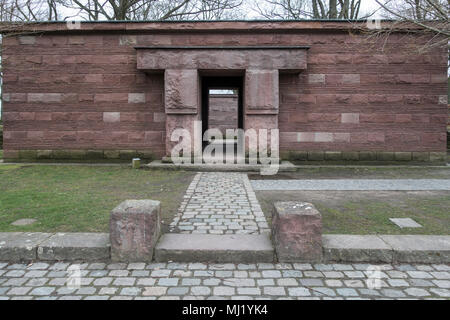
(134, 230)
(297, 232)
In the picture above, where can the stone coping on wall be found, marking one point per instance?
(249, 26)
(37, 246)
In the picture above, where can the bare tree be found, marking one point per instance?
(152, 9)
(308, 9)
(28, 10)
(425, 22)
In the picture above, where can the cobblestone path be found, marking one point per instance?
(223, 281)
(220, 203)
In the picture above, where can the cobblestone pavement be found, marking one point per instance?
(353, 184)
(220, 203)
(223, 281)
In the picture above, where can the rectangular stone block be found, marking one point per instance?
(439, 157)
(403, 156)
(75, 246)
(367, 156)
(333, 155)
(419, 248)
(20, 246)
(136, 98)
(350, 155)
(421, 156)
(111, 117)
(298, 155)
(134, 230)
(316, 78)
(261, 91)
(181, 91)
(356, 248)
(316, 155)
(297, 232)
(350, 118)
(385, 156)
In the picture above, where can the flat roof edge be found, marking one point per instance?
(190, 26)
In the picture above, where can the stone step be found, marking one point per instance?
(285, 166)
(233, 248)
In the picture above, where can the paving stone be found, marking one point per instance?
(14, 273)
(98, 273)
(302, 266)
(211, 282)
(130, 291)
(323, 291)
(96, 298)
(18, 291)
(154, 291)
(445, 293)
(287, 282)
(136, 266)
(222, 192)
(441, 275)
(42, 291)
(124, 281)
(97, 266)
(299, 292)
(398, 283)
(420, 283)
(275, 291)
(346, 292)
(333, 283)
(405, 223)
(417, 292)
(190, 282)
(119, 273)
(86, 290)
(311, 282)
(103, 281)
(160, 273)
(200, 291)
(419, 274)
(39, 282)
(445, 284)
(146, 282)
(178, 291)
(224, 291)
(38, 266)
(35, 273)
(168, 282)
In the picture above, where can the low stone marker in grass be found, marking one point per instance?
(135, 227)
(297, 232)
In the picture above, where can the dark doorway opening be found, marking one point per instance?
(222, 105)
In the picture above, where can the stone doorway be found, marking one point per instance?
(222, 112)
(183, 66)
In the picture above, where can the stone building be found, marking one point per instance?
(115, 90)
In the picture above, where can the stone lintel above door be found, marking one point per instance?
(282, 58)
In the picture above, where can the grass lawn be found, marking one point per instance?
(368, 212)
(79, 198)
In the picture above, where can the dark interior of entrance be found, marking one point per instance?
(222, 105)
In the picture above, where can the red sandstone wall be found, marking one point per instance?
(64, 91)
(223, 112)
(79, 92)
